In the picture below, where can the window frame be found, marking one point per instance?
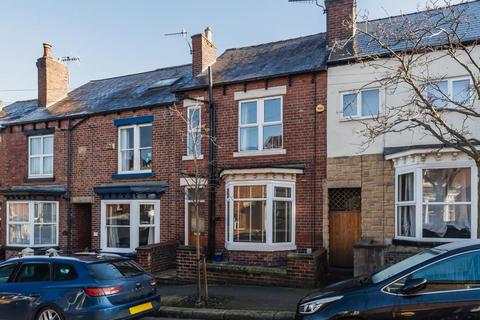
(260, 124)
(19, 268)
(417, 169)
(450, 81)
(134, 223)
(359, 116)
(269, 245)
(41, 156)
(191, 130)
(31, 223)
(136, 149)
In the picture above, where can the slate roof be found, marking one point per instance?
(101, 96)
(262, 61)
(464, 18)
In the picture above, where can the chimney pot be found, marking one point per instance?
(47, 50)
(209, 34)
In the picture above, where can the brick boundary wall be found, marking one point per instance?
(158, 257)
(301, 270)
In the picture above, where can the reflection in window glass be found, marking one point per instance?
(370, 103)
(118, 225)
(272, 110)
(447, 203)
(350, 105)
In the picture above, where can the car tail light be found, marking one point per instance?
(98, 292)
(153, 282)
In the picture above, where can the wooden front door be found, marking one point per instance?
(345, 231)
(192, 238)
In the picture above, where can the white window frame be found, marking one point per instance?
(269, 245)
(136, 148)
(417, 169)
(187, 213)
(450, 82)
(359, 116)
(134, 223)
(191, 130)
(31, 222)
(41, 156)
(260, 124)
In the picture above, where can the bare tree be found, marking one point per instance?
(196, 183)
(402, 51)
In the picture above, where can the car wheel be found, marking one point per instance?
(49, 313)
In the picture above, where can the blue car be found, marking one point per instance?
(83, 287)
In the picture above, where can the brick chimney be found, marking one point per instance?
(204, 52)
(341, 16)
(52, 78)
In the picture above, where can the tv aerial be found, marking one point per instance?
(184, 34)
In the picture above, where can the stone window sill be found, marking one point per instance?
(191, 158)
(259, 153)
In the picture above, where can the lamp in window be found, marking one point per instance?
(151, 213)
(119, 209)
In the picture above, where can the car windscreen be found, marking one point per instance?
(112, 270)
(404, 265)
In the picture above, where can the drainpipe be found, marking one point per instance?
(68, 195)
(212, 169)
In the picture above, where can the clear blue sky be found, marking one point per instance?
(116, 37)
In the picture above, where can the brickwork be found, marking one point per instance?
(52, 79)
(299, 126)
(301, 270)
(204, 52)
(340, 14)
(158, 257)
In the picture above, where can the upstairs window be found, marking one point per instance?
(40, 156)
(194, 134)
(450, 93)
(261, 124)
(364, 103)
(135, 151)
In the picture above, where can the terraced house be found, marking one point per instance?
(108, 165)
(402, 165)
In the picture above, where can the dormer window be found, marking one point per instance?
(40, 156)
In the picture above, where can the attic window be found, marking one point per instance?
(164, 83)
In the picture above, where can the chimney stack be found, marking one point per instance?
(204, 51)
(52, 78)
(341, 18)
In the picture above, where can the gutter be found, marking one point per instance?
(212, 168)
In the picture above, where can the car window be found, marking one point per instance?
(6, 272)
(113, 270)
(33, 272)
(404, 265)
(456, 273)
(63, 272)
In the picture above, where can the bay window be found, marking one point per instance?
(128, 224)
(135, 148)
(261, 124)
(260, 216)
(32, 223)
(40, 156)
(434, 203)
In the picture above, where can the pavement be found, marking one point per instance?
(233, 302)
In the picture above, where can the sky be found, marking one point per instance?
(118, 37)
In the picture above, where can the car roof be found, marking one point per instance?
(81, 258)
(463, 245)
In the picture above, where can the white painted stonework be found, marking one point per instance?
(344, 135)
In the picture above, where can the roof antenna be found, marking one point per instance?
(311, 1)
(184, 35)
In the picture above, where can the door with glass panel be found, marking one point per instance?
(196, 199)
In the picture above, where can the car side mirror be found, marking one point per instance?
(414, 285)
